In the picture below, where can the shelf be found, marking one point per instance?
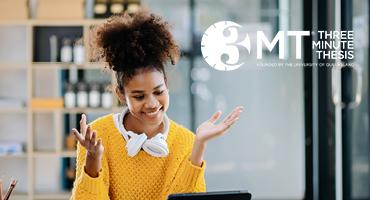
(89, 110)
(18, 195)
(13, 110)
(45, 22)
(31, 41)
(21, 155)
(61, 195)
(60, 65)
(68, 154)
(13, 66)
(76, 22)
(24, 22)
(74, 110)
(64, 154)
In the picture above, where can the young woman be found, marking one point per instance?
(140, 153)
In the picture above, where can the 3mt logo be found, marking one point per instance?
(220, 45)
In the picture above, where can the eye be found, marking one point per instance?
(158, 92)
(141, 97)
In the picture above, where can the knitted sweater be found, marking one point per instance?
(142, 177)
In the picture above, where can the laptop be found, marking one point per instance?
(222, 195)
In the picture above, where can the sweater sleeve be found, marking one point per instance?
(86, 187)
(189, 178)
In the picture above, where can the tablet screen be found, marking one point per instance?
(222, 195)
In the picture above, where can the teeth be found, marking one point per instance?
(152, 113)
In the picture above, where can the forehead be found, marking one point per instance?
(145, 80)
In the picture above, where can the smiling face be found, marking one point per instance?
(146, 95)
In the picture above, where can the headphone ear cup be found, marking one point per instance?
(156, 146)
(135, 143)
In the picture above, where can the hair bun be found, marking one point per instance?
(127, 42)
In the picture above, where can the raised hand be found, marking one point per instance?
(87, 138)
(209, 129)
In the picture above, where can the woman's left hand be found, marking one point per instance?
(209, 129)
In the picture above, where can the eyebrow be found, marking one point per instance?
(142, 91)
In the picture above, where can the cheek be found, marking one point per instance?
(165, 100)
(133, 105)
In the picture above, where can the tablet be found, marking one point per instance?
(222, 195)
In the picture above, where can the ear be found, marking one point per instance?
(121, 96)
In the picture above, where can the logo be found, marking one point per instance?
(220, 45)
(223, 42)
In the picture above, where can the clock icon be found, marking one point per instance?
(220, 45)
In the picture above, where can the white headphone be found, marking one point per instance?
(155, 146)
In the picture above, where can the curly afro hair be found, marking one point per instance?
(130, 43)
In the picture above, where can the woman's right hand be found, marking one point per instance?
(94, 147)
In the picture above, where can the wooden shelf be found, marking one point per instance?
(60, 195)
(60, 65)
(13, 110)
(88, 110)
(21, 155)
(76, 22)
(13, 66)
(14, 22)
(19, 196)
(74, 110)
(56, 151)
(45, 22)
(66, 154)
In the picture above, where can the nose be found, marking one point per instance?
(152, 102)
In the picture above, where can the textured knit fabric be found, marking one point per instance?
(142, 177)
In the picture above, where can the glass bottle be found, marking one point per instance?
(66, 51)
(82, 98)
(69, 96)
(94, 96)
(107, 100)
(79, 52)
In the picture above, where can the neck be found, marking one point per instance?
(132, 124)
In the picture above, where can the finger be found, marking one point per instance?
(99, 145)
(226, 125)
(99, 142)
(83, 125)
(93, 138)
(215, 117)
(228, 117)
(232, 119)
(231, 122)
(79, 137)
(88, 134)
(234, 114)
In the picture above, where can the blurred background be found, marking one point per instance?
(304, 133)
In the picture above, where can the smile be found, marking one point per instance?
(152, 114)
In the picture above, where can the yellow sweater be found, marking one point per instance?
(142, 177)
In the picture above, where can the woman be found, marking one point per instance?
(140, 153)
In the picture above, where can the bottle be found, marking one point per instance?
(69, 96)
(89, 9)
(82, 99)
(107, 100)
(66, 51)
(79, 52)
(94, 96)
(53, 43)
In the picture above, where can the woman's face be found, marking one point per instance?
(146, 96)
